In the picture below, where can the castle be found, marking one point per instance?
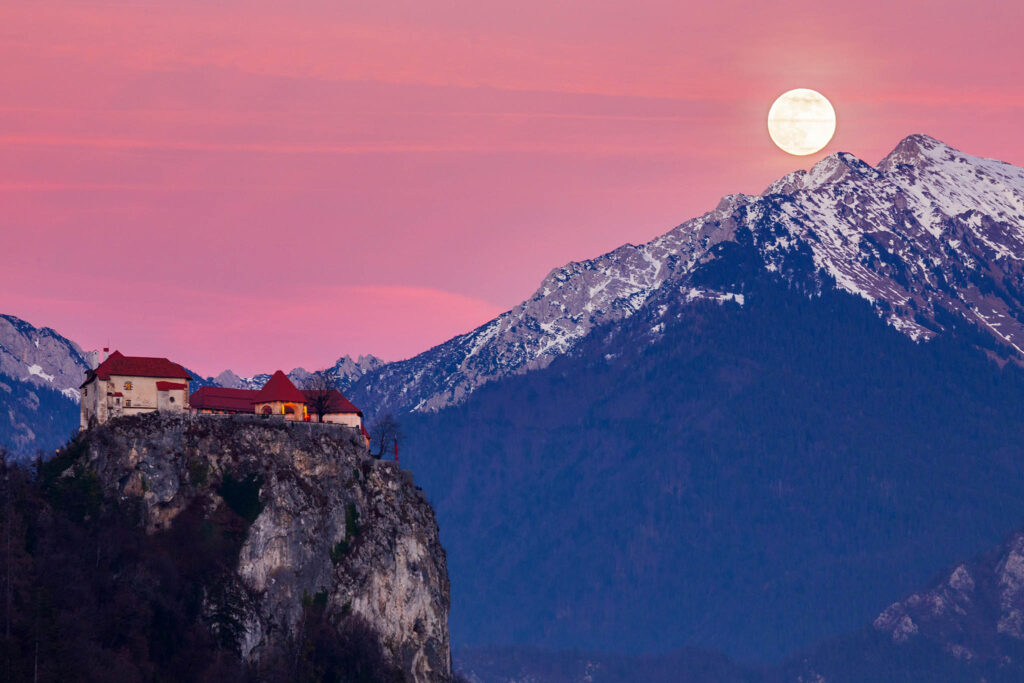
(279, 397)
(130, 385)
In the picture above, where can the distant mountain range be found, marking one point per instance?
(40, 373)
(766, 428)
(751, 433)
(343, 374)
(931, 237)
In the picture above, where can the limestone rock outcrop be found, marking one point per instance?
(976, 611)
(328, 523)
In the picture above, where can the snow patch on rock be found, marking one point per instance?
(37, 370)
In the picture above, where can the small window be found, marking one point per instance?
(127, 403)
(171, 399)
(85, 391)
(127, 386)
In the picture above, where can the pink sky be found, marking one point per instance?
(254, 186)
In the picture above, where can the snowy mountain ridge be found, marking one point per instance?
(343, 374)
(928, 236)
(40, 356)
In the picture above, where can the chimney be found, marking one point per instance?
(106, 352)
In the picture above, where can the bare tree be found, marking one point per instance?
(318, 388)
(385, 433)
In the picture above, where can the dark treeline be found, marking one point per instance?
(87, 595)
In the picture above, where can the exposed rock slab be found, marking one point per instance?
(331, 522)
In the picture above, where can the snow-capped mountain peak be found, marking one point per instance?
(943, 182)
(830, 170)
(344, 373)
(928, 233)
(920, 150)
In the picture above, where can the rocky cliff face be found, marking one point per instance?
(328, 525)
(974, 612)
(39, 376)
(40, 356)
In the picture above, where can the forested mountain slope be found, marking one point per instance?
(745, 478)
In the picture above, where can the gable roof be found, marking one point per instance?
(135, 366)
(279, 388)
(336, 403)
(222, 398)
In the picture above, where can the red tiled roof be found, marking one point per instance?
(279, 388)
(116, 393)
(221, 398)
(135, 366)
(337, 402)
(170, 386)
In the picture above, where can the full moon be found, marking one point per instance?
(801, 121)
